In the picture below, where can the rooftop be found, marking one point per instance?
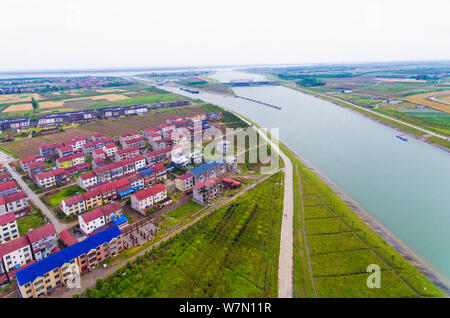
(41, 233)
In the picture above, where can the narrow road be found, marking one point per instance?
(59, 226)
(286, 263)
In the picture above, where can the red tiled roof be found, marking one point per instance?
(41, 233)
(92, 215)
(67, 238)
(35, 164)
(133, 140)
(141, 195)
(111, 208)
(106, 187)
(7, 218)
(158, 167)
(155, 135)
(7, 185)
(128, 150)
(99, 160)
(45, 146)
(66, 148)
(14, 197)
(186, 176)
(73, 200)
(88, 175)
(91, 194)
(13, 245)
(157, 152)
(110, 146)
(207, 183)
(28, 159)
(98, 151)
(121, 183)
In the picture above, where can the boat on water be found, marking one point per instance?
(401, 137)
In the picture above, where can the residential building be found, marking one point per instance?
(87, 180)
(8, 188)
(73, 205)
(52, 178)
(16, 253)
(47, 150)
(61, 268)
(70, 160)
(128, 136)
(158, 156)
(148, 131)
(138, 142)
(184, 182)
(110, 150)
(92, 199)
(160, 171)
(108, 191)
(99, 217)
(205, 171)
(8, 228)
(67, 239)
(172, 120)
(180, 161)
(13, 202)
(35, 168)
(148, 175)
(147, 198)
(98, 162)
(126, 153)
(43, 241)
(98, 153)
(25, 161)
(78, 142)
(65, 151)
(205, 191)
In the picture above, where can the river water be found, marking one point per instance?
(404, 185)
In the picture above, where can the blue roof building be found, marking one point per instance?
(38, 269)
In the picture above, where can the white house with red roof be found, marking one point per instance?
(126, 153)
(98, 153)
(13, 202)
(87, 180)
(172, 120)
(110, 150)
(138, 142)
(65, 151)
(145, 199)
(207, 190)
(128, 136)
(78, 142)
(8, 227)
(16, 253)
(43, 241)
(73, 205)
(184, 182)
(99, 217)
(25, 161)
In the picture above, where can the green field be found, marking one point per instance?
(33, 221)
(233, 252)
(56, 198)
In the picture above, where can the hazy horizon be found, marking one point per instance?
(52, 35)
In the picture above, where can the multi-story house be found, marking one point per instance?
(65, 151)
(52, 178)
(108, 191)
(87, 180)
(73, 205)
(160, 171)
(175, 119)
(158, 156)
(153, 137)
(136, 180)
(13, 202)
(166, 127)
(47, 150)
(16, 253)
(43, 241)
(98, 162)
(8, 188)
(98, 153)
(97, 137)
(78, 142)
(110, 150)
(138, 142)
(128, 136)
(148, 175)
(148, 131)
(207, 190)
(4, 177)
(34, 168)
(92, 199)
(93, 220)
(207, 170)
(143, 200)
(126, 153)
(25, 161)
(61, 268)
(184, 182)
(70, 160)
(8, 228)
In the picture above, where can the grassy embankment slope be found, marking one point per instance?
(231, 253)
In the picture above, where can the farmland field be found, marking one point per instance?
(422, 99)
(68, 135)
(231, 253)
(24, 148)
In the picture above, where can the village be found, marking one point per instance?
(108, 193)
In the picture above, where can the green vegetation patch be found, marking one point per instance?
(140, 100)
(56, 198)
(233, 252)
(32, 221)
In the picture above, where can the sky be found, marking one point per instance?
(99, 34)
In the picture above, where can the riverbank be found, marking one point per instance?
(391, 123)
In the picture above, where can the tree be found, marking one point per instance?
(34, 103)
